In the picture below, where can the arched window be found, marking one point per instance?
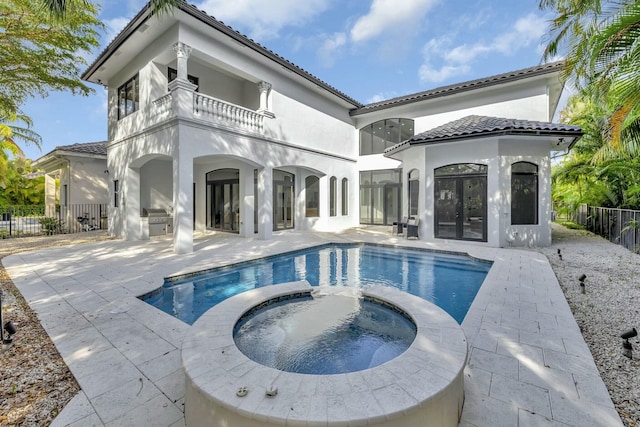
(524, 193)
(312, 190)
(333, 196)
(345, 196)
(378, 136)
(414, 189)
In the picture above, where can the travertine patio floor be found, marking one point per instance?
(528, 363)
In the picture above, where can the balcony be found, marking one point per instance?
(210, 109)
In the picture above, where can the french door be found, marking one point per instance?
(461, 205)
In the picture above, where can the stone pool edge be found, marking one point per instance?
(427, 378)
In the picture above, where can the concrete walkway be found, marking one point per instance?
(528, 364)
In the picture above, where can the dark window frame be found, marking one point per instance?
(525, 191)
(172, 74)
(129, 97)
(333, 196)
(312, 196)
(345, 197)
(116, 193)
(378, 136)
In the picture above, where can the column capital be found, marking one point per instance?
(264, 86)
(182, 50)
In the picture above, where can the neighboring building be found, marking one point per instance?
(226, 135)
(81, 170)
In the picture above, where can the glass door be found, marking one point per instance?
(284, 201)
(461, 202)
(223, 194)
(447, 208)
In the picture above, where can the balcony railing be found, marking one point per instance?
(214, 109)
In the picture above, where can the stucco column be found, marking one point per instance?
(131, 202)
(182, 55)
(182, 202)
(265, 88)
(246, 201)
(50, 194)
(265, 208)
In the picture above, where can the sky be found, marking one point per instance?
(369, 49)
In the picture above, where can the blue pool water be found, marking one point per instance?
(449, 281)
(324, 335)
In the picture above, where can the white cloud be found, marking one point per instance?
(428, 73)
(382, 96)
(264, 18)
(114, 26)
(457, 60)
(390, 15)
(330, 48)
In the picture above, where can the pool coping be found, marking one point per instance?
(528, 361)
(216, 369)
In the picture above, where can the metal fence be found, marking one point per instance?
(621, 226)
(20, 221)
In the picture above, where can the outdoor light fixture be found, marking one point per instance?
(582, 278)
(627, 348)
(9, 327)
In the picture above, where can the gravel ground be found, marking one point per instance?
(608, 307)
(35, 384)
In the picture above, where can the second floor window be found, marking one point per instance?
(378, 136)
(129, 97)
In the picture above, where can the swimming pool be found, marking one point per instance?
(449, 281)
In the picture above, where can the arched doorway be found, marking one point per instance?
(223, 200)
(461, 202)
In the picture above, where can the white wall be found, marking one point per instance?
(88, 181)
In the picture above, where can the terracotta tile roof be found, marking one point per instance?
(461, 87)
(480, 126)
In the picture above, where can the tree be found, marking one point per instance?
(19, 189)
(38, 54)
(58, 8)
(9, 133)
(602, 57)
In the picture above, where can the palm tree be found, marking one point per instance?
(9, 133)
(58, 8)
(602, 54)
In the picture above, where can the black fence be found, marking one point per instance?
(621, 226)
(20, 221)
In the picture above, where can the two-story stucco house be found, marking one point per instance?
(226, 135)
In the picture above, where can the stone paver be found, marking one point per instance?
(528, 364)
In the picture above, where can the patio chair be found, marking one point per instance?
(412, 228)
(398, 227)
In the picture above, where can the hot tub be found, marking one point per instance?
(422, 386)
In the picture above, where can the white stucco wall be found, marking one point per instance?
(498, 154)
(87, 181)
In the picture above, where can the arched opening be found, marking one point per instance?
(312, 196)
(414, 190)
(333, 196)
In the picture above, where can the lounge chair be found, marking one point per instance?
(412, 228)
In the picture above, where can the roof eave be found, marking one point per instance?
(453, 138)
(463, 88)
(196, 13)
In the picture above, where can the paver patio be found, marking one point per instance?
(528, 363)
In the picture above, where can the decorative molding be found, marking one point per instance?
(182, 50)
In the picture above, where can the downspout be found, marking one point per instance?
(68, 192)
